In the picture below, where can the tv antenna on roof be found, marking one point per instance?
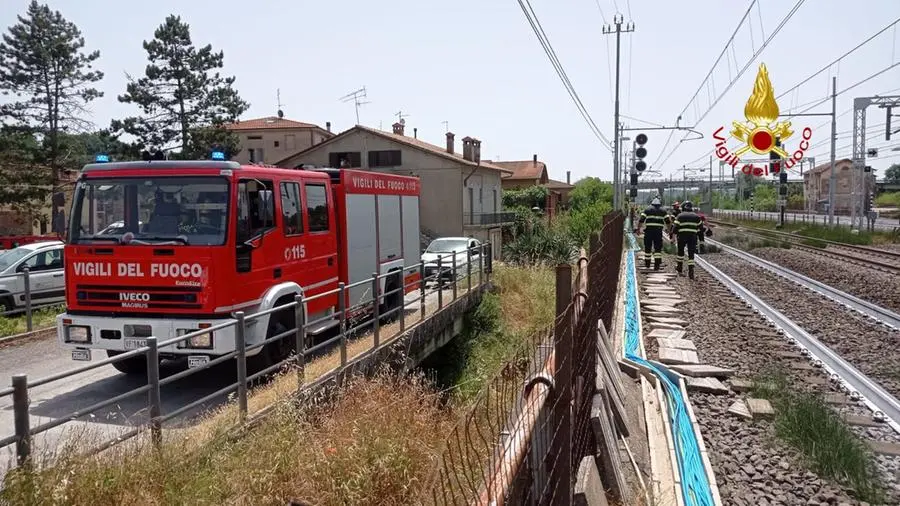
(355, 97)
(446, 126)
(278, 103)
(400, 117)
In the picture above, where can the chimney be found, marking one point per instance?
(568, 177)
(398, 128)
(450, 142)
(476, 150)
(415, 133)
(534, 160)
(467, 148)
(328, 126)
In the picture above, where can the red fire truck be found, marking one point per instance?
(198, 240)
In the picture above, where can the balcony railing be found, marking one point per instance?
(482, 219)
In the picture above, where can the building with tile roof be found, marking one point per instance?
(266, 140)
(461, 194)
(817, 181)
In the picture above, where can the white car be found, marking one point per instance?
(46, 279)
(444, 247)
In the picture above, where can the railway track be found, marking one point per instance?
(873, 311)
(882, 404)
(852, 254)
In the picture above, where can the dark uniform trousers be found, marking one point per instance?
(688, 227)
(654, 220)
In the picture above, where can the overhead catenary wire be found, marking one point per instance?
(750, 61)
(535, 24)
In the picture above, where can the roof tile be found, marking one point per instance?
(523, 169)
(269, 122)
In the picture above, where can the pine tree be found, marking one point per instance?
(48, 77)
(185, 101)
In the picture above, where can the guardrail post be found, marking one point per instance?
(240, 345)
(342, 308)
(422, 291)
(489, 263)
(468, 270)
(440, 282)
(300, 338)
(21, 420)
(376, 311)
(562, 333)
(155, 397)
(29, 320)
(454, 273)
(480, 265)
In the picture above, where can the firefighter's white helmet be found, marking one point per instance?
(655, 202)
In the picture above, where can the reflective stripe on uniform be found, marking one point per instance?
(649, 224)
(690, 261)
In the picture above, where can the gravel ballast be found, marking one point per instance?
(752, 466)
(875, 286)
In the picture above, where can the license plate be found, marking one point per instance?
(81, 355)
(197, 361)
(133, 344)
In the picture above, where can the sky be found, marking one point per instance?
(478, 66)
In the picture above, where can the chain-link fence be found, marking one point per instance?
(528, 429)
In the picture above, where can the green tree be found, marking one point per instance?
(589, 191)
(48, 77)
(185, 101)
(892, 175)
(533, 196)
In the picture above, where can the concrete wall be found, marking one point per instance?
(290, 141)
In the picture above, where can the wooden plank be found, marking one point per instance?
(662, 477)
(589, 489)
(611, 376)
(678, 356)
(607, 441)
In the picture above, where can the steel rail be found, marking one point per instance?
(873, 311)
(873, 395)
(864, 249)
(837, 255)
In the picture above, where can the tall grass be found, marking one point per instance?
(806, 422)
(41, 318)
(375, 444)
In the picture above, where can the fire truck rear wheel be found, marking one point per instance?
(276, 351)
(134, 365)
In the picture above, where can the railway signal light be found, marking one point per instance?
(634, 179)
(640, 152)
(775, 158)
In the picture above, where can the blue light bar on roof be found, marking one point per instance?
(217, 155)
(101, 158)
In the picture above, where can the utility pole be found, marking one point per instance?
(833, 177)
(618, 20)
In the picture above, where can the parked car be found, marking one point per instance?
(46, 280)
(444, 247)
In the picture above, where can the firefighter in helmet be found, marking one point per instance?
(688, 227)
(654, 219)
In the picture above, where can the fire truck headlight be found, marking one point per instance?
(202, 341)
(78, 334)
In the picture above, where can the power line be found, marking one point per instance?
(873, 76)
(848, 53)
(750, 61)
(608, 55)
(711, 70)
(532, 18)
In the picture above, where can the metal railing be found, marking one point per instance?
(529, 427)
(22, 301)
(489, 218)
(477, 259)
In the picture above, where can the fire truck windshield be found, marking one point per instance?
(151, 210)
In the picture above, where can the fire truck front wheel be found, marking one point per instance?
(134, 365)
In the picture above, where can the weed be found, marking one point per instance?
(806, 422)
(40, 318)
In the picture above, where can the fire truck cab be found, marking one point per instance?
(196, 241)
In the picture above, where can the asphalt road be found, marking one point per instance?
(880, 224)
(42, 357)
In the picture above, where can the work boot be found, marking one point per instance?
(656, 263)
(647, 263)
(678, 268)
(691, 271)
